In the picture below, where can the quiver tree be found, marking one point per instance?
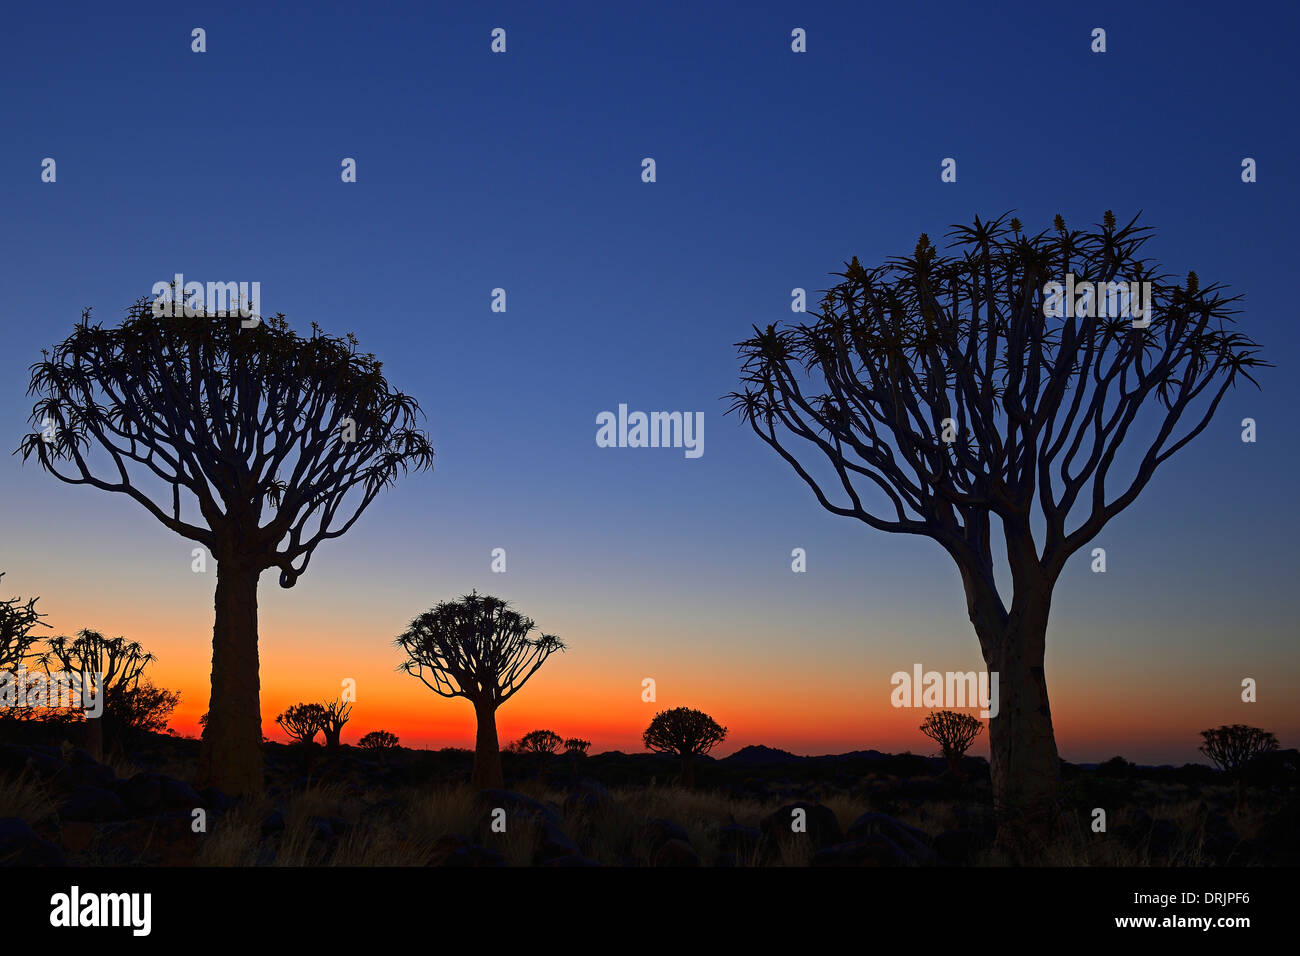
(378, 742)
(576, 748)
(107, 670)
(302, 722)
(337, 713)
(1233, 747)
(142, 709)
(953, 732)
(17, 618)
(685, 733)
(933, 395)
(255, 442)
(543, 743)
(480, 649)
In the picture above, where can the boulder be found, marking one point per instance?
(655, 833)
(588, 798)
(20, 846)
(823, 829)
(92, 805)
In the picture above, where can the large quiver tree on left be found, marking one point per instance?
(255, 442)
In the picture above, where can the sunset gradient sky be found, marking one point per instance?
(522, 171)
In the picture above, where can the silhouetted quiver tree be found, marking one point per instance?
(1233, 747)
(106, 668)
(576, 749)
(302, 722)
(17, 618)
(542, 743)
(953, 732)
(685, 733)
(933, 395)
(337, 713)
(143, 708)
(480, 649)
(378, 742)
(265, 444)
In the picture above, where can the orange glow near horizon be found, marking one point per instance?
(815, 703)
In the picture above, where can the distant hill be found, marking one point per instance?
(758, 754)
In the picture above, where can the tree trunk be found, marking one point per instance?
(332, 738)
(231, 754)
(687, 779)
(487, 750)
(94, 737)
(1024, 765)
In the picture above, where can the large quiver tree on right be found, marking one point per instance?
(934, 395)
(249, 439)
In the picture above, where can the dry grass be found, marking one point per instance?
(26, 797)
(403, 827)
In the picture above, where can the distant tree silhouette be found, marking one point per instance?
(109, 668)
(378, 742)
(1116, 766)
(576, 749)
(267, 442)
(1233, 747)
(302, 722)
(936, 394)
(16, 638)
(542, 743)
(480, 649)
(953, 732)
(685, 733)
(141, 709)
(337, 713)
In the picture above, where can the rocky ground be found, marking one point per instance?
(60, 807)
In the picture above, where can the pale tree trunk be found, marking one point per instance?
(487, 750)
(231, 754)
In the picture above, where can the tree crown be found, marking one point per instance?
(275, 441)
(683, 731)
(477, 647)
(940, 392)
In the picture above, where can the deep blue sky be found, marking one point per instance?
(522, 171)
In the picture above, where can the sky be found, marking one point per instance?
(522, 171)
